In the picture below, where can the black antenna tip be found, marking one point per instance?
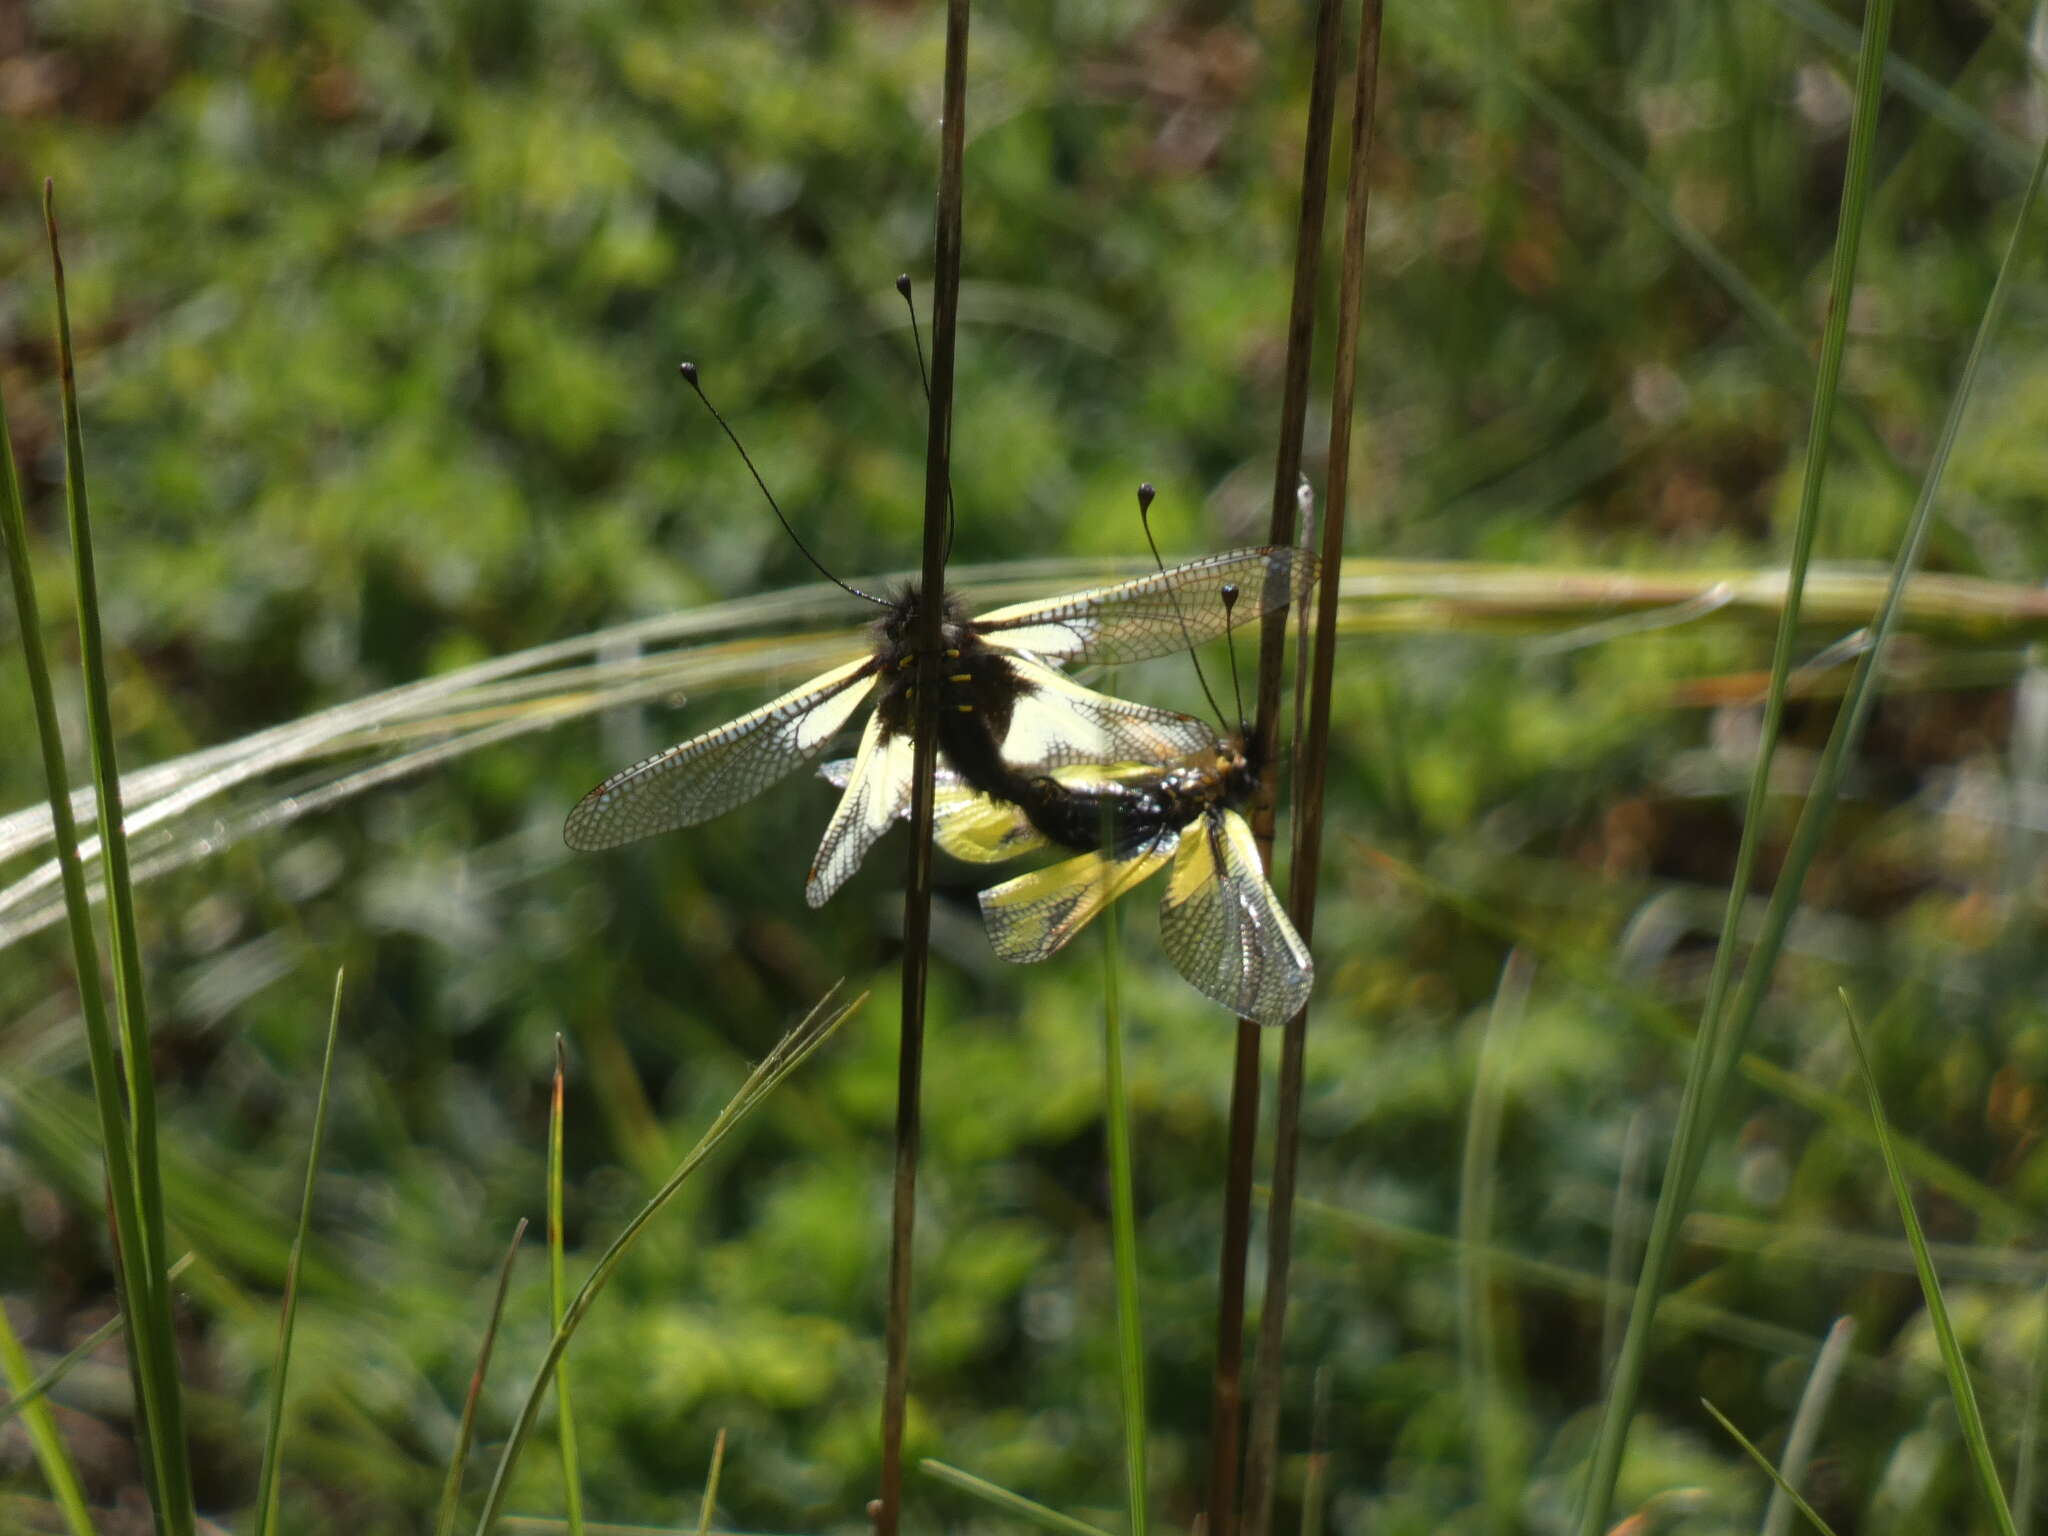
(1229, 596)
(688, 371)
(903, 284)
(1145, 495)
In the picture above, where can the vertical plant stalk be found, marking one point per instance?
(558, 1298)
(790, 1052)
(1262, 1458)
(451, 1489)
(1720, 1044)
(710, 1504)
(131, 1008)
(1227, 1386)
(288, 1315)
(58, 1469)
(1130, 1333)
(917, 894)
(1804, 1435)
(1969, 1418)
(152, 1361)
(1479, 1341)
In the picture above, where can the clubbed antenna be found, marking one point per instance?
(1145, 495)
(917, 341)
(1229, 596)
(689, 373)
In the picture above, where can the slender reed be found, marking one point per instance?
(558, 1296)
(288, 1314)
(917, 894)
(59, 1471)
(790, 1052)
(451, 1488)
(1696, 1111)
(133, 1206)
(1969, 1418)
(1227, 1388)
(1478, 1341)
(1721, 1044)
(1011, 1503)
(1783, 1485)
(1312, 769)
(1804, 1435)
(710, 1503)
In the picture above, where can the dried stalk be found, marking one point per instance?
(1263, 1455)
(917, 896)
(1228, 1389)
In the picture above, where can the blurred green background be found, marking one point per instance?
(379, 310)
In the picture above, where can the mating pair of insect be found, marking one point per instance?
(1030, 760)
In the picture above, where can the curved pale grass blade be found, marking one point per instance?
(1032, 916)
(1221, 924)
(1156, 614)
(708, 775)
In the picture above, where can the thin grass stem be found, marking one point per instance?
(1011, 1503)
(1478, 1344)
(710, 1503)
(1721, 1043)
(558, 1298)
(1262, 1456)
(917, 892)
(1804, 1435)
(1770, 1471)
(1699, 1104)
(2026, 1474)
(1130, 1331)
(1625, 1238)
(131, 1003)
(1315, 1478)
(1227, 1389)
(152, 1365)
(451, 1489)
(273, 1436)
(790, 1052)
(59, 1471)
(1968, 1417)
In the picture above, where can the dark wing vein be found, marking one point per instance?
(1153, 615)
(1032, 916)
(708, 775)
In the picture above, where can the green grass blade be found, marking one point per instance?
(152, 1365)
(1999, 1216)
(790, 1052)
(1478, 1352)
(1968, 1418)
(1624, 1239)
(1315, 1479)
(451, 1490)
(273, 1435)
(41, 1423)
(1130, 1331)
(710, 1503)
(2026, 1475)
(1770, 1471)
(1013, 1503)
(1804, 1435)
(44, 1383)
(558, 1299)
(131, 1004)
